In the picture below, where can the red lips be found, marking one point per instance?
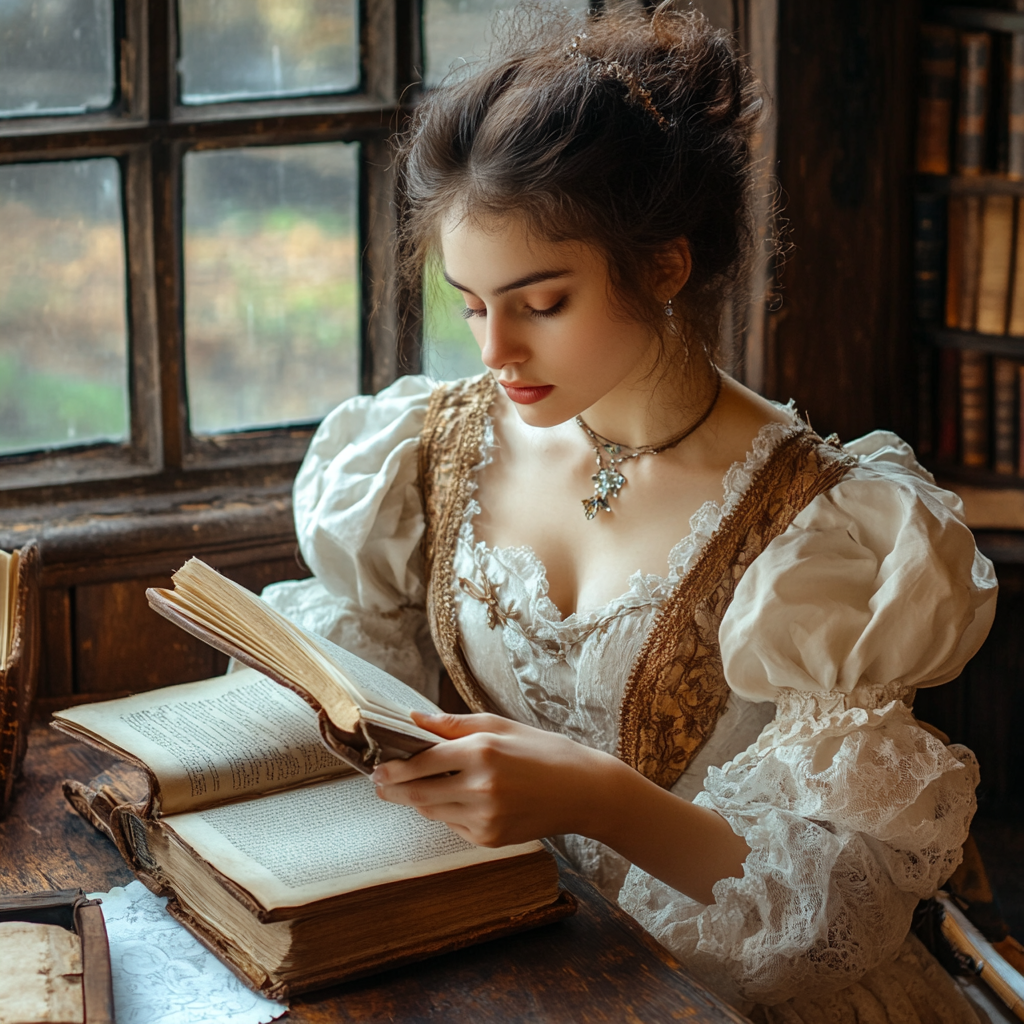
(527, 396)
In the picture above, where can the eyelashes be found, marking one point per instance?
(469, 312)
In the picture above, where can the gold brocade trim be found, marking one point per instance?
(449, 449)
(677, 689)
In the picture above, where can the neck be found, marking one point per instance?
(651, 407)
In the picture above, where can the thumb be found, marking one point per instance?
(451, 727)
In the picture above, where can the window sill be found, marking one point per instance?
(128, 536)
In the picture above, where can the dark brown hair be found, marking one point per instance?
(627, 130)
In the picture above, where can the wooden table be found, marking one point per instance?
(596, 966)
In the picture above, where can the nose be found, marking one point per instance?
(500, 346)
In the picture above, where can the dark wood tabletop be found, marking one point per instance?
(598, 965)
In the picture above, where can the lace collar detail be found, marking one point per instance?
(644, 589)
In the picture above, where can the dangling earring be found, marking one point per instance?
(669, 311)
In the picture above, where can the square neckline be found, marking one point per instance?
(643, 589)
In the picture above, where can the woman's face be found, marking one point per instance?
(544, 316)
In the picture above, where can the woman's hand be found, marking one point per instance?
(497, 782)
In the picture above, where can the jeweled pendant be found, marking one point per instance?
(608, 480)
(598, 503)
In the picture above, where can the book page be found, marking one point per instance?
(378, 689)
(289, 849)
(220, 611)
(216, 740)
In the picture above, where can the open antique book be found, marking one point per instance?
(364, 713)
(242, 806)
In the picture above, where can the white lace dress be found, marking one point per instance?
(851, 810)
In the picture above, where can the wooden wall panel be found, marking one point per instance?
(56, 663)
(121, 644)
(841, 345)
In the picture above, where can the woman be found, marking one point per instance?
(692, 628)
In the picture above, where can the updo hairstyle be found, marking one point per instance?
(626, 130)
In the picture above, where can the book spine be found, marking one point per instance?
(1020, 420)
(995, 254)
(954, 259)
(947, 441)
(975, 57)
(1015, 324)
(973, 408)
(1015, 87)
(1004, 415)
(936, 88)
(929, 256)
(970, 257)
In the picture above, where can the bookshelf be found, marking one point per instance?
(969, 258)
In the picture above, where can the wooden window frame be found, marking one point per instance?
(148, 131)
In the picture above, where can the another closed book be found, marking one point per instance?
(1004, 416)
(996, 253)
(962, 261)
(935, 96)
(974, 402)
(929, 256)
(1015, 128)
(975, 59)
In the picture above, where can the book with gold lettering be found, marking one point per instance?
(251, 812)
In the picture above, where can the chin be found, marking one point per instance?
(542, 415)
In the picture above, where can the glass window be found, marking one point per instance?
(56, 56)
(246, 49)
(449, 349)
(271, 284)
(455, 31)
(63, 333)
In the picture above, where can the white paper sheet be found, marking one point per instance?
(162, 975)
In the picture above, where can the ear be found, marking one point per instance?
(675, 266)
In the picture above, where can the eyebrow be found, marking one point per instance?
(523, 282)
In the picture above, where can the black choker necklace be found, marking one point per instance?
(608, 481)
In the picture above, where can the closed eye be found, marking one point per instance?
(469, 312)
(551, 310)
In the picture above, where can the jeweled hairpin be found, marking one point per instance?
(613, 69)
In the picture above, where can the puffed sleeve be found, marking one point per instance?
(851, 810)
(359, 520)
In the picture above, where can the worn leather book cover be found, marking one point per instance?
(929, 256)
(70, 909)
(19, 673)
(1004, 416)
(936, 89)
(974, 406)
(994, 264)
(1015, 104)
(975, 59)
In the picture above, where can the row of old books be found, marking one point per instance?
(978, 416)
(970, 102)
(969, 262)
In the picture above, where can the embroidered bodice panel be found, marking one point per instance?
(568, 674)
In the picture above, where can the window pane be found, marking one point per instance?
(271, 284)
(56, 56)
(244, 49)
(458, 30)
(449, 349)
(63, 333)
